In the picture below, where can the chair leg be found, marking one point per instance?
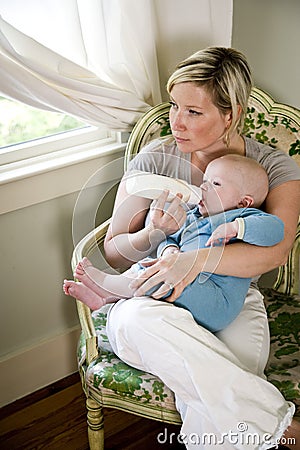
(95, 420)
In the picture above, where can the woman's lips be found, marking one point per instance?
(180, 139)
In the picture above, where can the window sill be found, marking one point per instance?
(45, 177)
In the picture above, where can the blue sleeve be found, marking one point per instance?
(171, 240)
(261, 228)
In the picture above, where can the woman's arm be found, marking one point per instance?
(239, 259)
(128, 239)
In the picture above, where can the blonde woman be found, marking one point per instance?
(218, 380)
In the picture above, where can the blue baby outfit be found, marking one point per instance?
(215, 300)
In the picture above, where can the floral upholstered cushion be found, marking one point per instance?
(112, 376)
(115, 379)
(283, 368)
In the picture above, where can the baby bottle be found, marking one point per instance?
(150, 185)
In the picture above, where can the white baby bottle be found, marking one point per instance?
(150, 185)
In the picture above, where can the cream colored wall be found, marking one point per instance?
(268, 32)
(38, 324)
(39, 327)
(36, 250)
(182, 29)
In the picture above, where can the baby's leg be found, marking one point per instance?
(84, 294)
(105, 284)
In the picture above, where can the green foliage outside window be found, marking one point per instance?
(21, 123)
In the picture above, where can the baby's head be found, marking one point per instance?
(233, 181)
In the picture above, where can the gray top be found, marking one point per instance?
(162, 156)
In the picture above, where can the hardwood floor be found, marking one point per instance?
(54, 418)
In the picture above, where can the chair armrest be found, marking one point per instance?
(287, 281)
(85, 247)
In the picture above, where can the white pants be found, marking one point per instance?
(223, 399)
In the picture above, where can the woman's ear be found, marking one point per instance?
(228, 115)
(228, 119)
(246, 202)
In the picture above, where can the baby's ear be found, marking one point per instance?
(246, 202)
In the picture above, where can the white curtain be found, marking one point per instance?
(94, 59)
(102, 66)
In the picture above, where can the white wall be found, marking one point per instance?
(183, 28)
(39, 327)
(268, 32)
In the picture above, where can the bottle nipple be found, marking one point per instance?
(195, 196)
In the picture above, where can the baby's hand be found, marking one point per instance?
(169, 251)
(223, 233)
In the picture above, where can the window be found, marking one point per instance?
(27, 132)
(21, 123)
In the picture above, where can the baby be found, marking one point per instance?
(233, 188)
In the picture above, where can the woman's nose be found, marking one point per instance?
(177, 122)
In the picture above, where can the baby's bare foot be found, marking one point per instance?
(82, 266)
(91, 277)
(84, 294)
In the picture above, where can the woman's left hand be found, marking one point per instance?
(175, 271)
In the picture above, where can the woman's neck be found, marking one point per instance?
(202, 158)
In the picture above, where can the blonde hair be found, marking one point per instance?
(225, 74)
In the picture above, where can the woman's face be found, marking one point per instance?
(196, 123)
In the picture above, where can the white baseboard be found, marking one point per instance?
(36, 367)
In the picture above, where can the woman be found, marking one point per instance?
(209, 94)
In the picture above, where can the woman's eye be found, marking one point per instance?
(173, 104)
(194, 113)
(216, 183)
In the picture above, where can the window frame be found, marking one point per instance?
(46, 145)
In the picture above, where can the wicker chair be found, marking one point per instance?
(109, 382)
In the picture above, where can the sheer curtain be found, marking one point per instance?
(94, 59)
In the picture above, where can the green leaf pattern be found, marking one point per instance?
(261, 127)
(283, 368)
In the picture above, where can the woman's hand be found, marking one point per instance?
(167, 220)
(175, 271)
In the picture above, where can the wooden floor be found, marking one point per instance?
(54, 418)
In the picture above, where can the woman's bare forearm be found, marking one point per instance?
(239, 260)
(127, 239)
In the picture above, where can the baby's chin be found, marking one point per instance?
(204, 213)
(202, 210)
